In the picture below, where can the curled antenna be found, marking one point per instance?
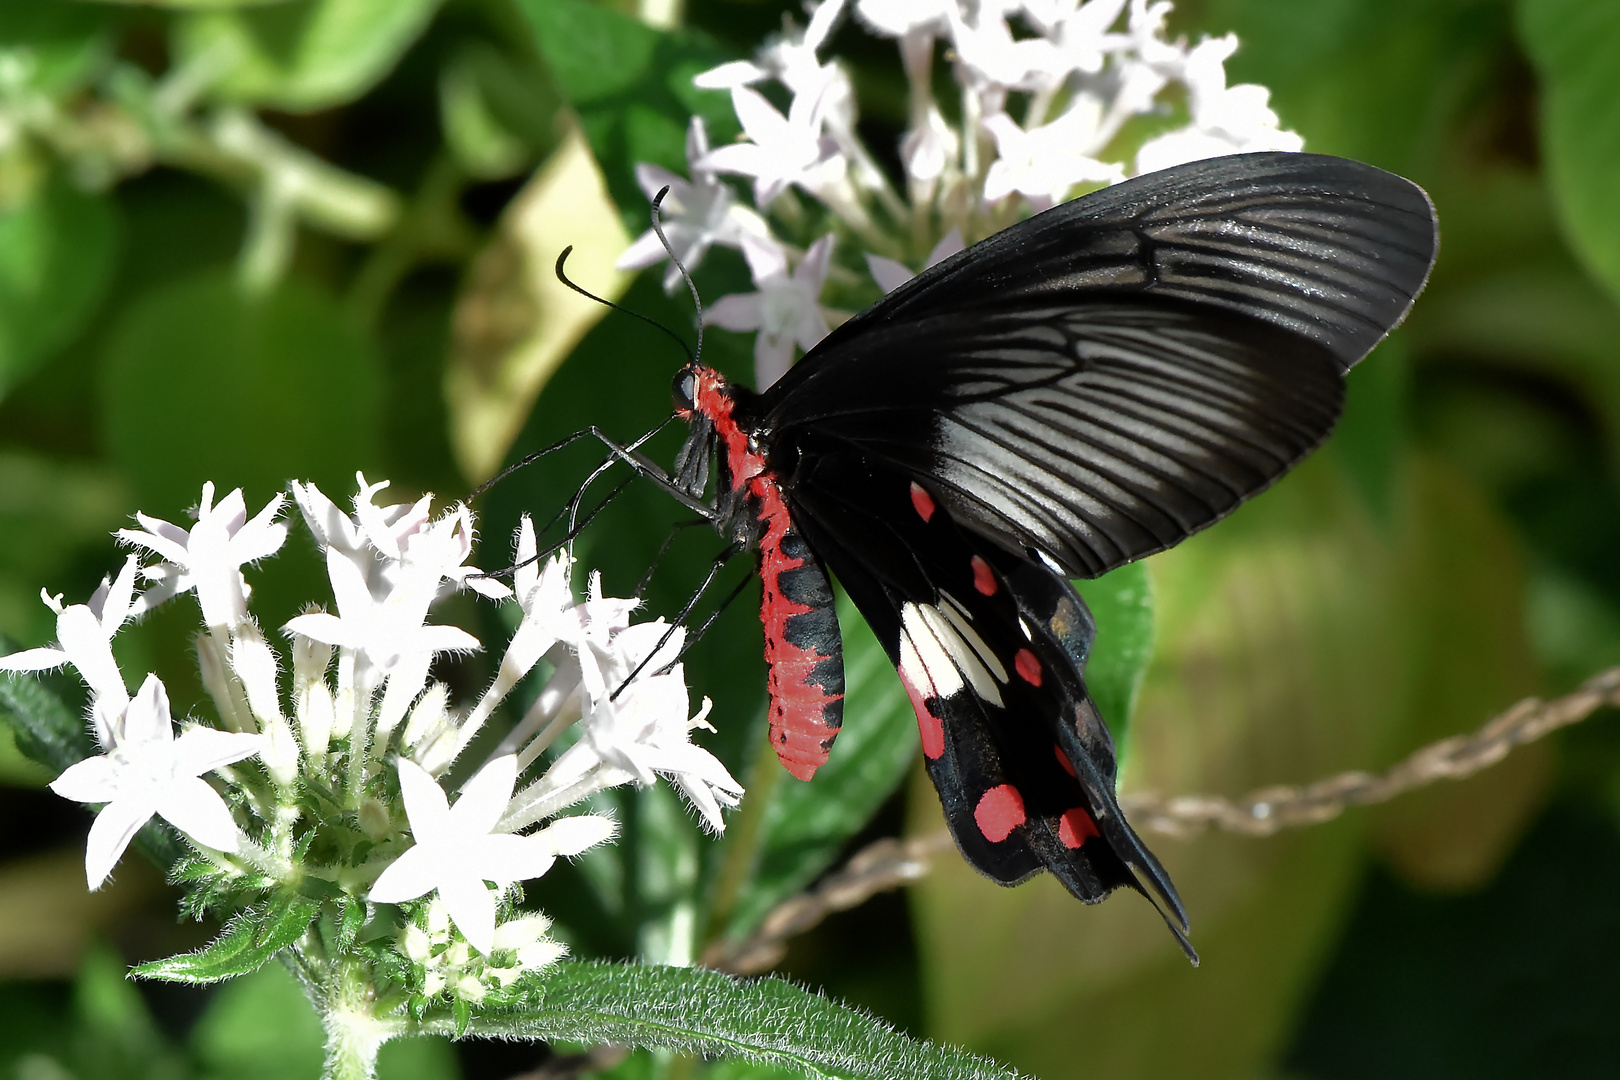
(658, 227)
(563, 277)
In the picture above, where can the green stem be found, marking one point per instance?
(354, 1032)
(432, 227)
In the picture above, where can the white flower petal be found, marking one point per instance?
(569, 836)
(472, 908)
(41, 659)
(146, 720)
(728, 75)
(83, 639)
(93, 780)
(411, 875)
(483, 799)
(425, 804)
(324, 628)
(197, 810)
(200, 750)
(110, 834)
(739, 311)
(888, 273)
(504, 858)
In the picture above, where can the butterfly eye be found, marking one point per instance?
(685, 390)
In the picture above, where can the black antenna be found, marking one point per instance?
(658, 227)
(529, 459)
(563, 277)
(572, 534)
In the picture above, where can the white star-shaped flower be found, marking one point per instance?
(786, 310)
(148, 771)
(783, 150)
(1079, 33)
(696, 214)
(84, 634)
(1043, 164)
(209, 557)
(635, 736)
(791, 58)
(389, 632)
(992, 59)
(457, 849)
(647, 731)
(899, 18)
(1225, 119)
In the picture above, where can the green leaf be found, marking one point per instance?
(1573, 44)
(498, 115)
(57, 248)
(632, 87)
(47, 730)
(304, 55)
(260, 1027)
(806, 825)
(693, 1011)
(204, 383)
(55, 45)
(1122, 604)
(246, 944)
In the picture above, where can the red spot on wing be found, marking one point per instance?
(1029, 668)
(929, 726)
(1075, 827)
(984, 579)
(1000, 811)
(1063, 760)
(923, 501)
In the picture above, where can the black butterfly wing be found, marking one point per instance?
(991, 649)
(1100, 381)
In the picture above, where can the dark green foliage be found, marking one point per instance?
(247, 943)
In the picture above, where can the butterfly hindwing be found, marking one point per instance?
(990, 648)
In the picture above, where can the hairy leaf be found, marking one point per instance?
(246, 944)
(47, 730)
(693, 1011)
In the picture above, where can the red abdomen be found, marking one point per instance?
(804, 654)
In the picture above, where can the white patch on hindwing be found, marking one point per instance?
(940, 645)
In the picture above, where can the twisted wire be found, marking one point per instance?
(889, 863)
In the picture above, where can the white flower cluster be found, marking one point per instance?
(1042, 91)
(447, 962)
(359, 701)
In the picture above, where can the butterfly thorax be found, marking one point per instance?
(803, 651)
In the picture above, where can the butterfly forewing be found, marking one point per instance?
(1326, 248)
(1100, 417)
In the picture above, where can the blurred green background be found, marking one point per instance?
(253, 241)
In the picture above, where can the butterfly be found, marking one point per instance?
(1083, 389)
